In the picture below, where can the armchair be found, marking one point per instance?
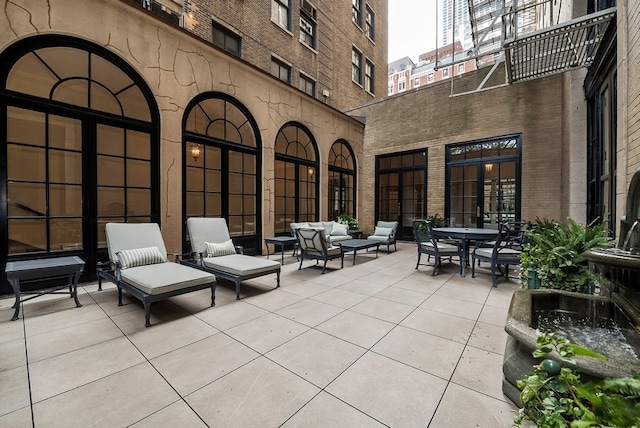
(313, 244)
(385, 233)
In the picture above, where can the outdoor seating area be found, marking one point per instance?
(376, 343)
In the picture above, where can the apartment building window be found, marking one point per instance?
(402, 85)
(307, 85)
(460, 68)
(281, 70)
(369, 26)
(430, 78)
(308, 24)
(356, 12)
(445, 73)
(368, 76)
(356, 66)
(225, 39)
(416, 82)
(280, 13)
(391, 89)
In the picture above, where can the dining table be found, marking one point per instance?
(465, 235)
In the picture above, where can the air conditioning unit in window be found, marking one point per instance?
(308, 9)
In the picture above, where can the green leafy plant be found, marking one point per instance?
(554, 396)
(555, 251)
(348, 220)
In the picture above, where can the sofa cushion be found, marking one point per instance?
(334, 238)
(340, 230)
(216, 249)
(140, 257)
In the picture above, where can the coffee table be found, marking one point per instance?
(358, 244)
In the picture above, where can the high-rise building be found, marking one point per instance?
(453, 23)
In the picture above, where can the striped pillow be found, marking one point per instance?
(140, 257)
(220, 249)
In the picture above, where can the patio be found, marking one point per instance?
(374, 344)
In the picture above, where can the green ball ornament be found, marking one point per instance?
(551, 367)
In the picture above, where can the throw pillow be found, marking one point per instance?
(220, 249)
(339, 230)
(140, 257)
(383, 231)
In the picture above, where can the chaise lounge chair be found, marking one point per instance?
(213, 251)
(138, 263)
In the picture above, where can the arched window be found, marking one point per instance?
(222, 166)
(81, 148)
(342, 180)
(296, 177)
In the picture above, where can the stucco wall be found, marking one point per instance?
(177, 66)
(429, 118)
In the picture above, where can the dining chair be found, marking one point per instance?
(428, 244)
(506, 250)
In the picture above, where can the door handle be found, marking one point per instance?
(477, 210)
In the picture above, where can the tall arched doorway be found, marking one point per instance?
(296, 177)
(80, 149)
(222, 167)
(342, 180)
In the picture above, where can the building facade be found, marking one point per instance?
(333, 51)
(153, 124)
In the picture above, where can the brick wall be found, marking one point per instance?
(429, 118)
(329, 64)
(632, 47)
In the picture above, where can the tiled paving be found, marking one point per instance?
(374, 344)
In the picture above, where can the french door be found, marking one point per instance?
(401, 193)
(483, 182)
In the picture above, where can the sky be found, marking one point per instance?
(412, 26)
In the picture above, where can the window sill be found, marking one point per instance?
(286, 30)
(308, 47)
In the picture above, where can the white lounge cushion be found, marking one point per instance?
(140, 257)
(241, 265)
(334, 238)
(488, 252)
(378, 238)
(165, 277)
(217, 249)
(442, 246)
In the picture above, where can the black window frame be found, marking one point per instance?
(356, 69)
(370, 24)
(369, 76)
(282, 66)
(308, 37)
(284, 4)
(307, 85)
(226, 35)
(356, 12)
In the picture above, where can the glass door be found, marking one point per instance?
(483, 181)
(402, 190)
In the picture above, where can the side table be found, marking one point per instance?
(31, 270)
(281, 241)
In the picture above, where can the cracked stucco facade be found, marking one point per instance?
(177, 66)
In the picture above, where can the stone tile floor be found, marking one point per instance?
(375, 344)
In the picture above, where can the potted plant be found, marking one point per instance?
(554, 256)
(348, 220)
(555, 396)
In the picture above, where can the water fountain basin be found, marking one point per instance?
(614, 257)
(522, 329)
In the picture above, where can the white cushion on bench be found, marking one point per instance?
(165, 277)
(241, 265)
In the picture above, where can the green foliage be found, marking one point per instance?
(348, 220)
(564, 400)
(556, 252)
(436, 220)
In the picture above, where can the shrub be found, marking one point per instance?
(556, 252)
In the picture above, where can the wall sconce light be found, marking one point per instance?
(310, 171)
(488, 167)
(195, 151)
